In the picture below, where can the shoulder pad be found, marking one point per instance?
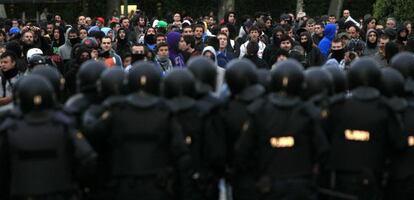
(180, 103)
(64, 118)
(251, 93)
(76, 104)
(282, 101)
(337, 98)
(365, 93)
(113, 100)
(397, 104)
(9, 122)
(142, 101)
(209, 103)
(311, 110)
(256, 105)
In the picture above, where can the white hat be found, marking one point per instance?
(187, 22)
(33, 51)
(155, 23)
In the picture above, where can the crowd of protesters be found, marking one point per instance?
(218, 109)
(170, 43)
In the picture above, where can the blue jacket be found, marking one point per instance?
(325, 43)
(177, 59)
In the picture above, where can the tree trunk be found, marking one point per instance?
(299, 6)
(335, 7)
(224, 6)
(2, 12)
(112, 5)
(126, 7)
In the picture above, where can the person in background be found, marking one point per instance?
(9, 76)
(108, 55)
(162, 58)
(254, 34)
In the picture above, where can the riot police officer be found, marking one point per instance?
(205, 73)
(178, 88)
(54, 77)
(40, 151)
(283, 140)
(242, 80)
(264, 79)
(111, 87)
(144, 141)
(403, 62)
(401, 168)
(362, 129)
(87, 76)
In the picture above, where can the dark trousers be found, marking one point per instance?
(400, 189)
(143, 189)
(57, 196)
(351, 186)
(291, 189)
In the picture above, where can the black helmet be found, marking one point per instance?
(317, 81)
(205, 73)
(34, 93)
(88, 75)
(112, 82)
(144, 76)
(178, 83)
(52, 75)
(338, 77)
(264, 78)
(240, 74)
(287, 77)
(35, 60)
(404, 63)
(392, 82)
(364, 72)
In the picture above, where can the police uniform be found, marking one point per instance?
(145, 144)
(205, 73)
(242, 80)
(363, 128)
(41, 152)
(283, 140)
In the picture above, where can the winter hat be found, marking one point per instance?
(105, 30)
(93, 29)
(14, 30)
(162, 24)
(100, 19)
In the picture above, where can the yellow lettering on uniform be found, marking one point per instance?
(357, 135)
(410, 141)
(282, 142)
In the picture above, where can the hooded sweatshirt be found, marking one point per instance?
(65, 50)
(220, 71)
(371, 48)
(177, 59)
(325, 43)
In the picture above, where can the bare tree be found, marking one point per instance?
(224, 6)
(112, 5)
(299, 6)
(335, 7)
